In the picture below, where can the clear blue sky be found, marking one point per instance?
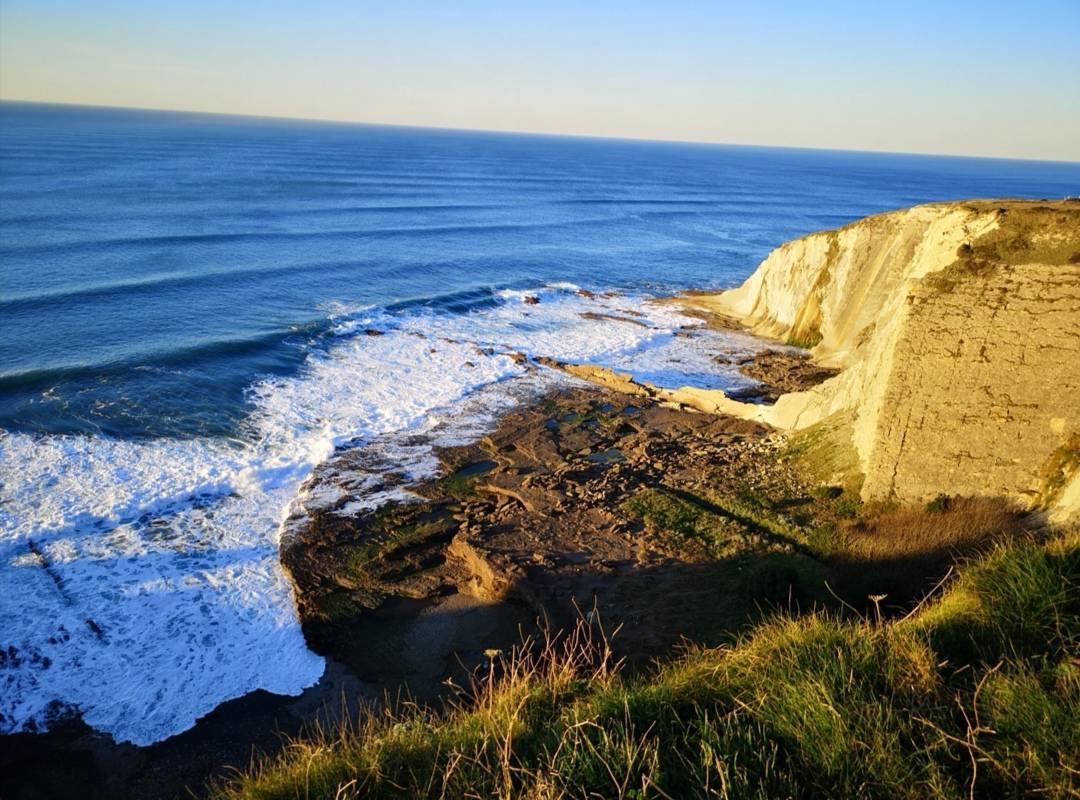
(981, 78)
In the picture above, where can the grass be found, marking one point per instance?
(682, 514)
(828, 492)
(959, 526)
(1058, 470)
(825, 453)
(882, 549)
(793, 545)
(976, 693)
(807, 341)
(939, 505)
(902, 552)
(1026, 233)
(848, 506)
(716, 521)
(747, 527)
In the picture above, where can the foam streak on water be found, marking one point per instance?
(141, 584)
(172, 371)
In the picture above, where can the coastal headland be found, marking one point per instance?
(857, 579)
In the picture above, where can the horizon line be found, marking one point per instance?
(519, 132)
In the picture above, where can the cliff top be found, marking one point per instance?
(1026, 232)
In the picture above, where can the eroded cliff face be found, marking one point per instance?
(957, 328)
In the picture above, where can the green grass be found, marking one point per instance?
(1058, 470)
(716, 521)
(685, 516)
(975, 694)
(939, 505)
(847, 507)
(811, 340)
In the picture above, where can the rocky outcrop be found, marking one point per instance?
(956, 327)
(589, 500)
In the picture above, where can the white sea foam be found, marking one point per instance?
(141, 583)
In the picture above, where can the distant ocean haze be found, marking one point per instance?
(185, 303)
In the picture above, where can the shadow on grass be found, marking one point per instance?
(414, 646)
(975, 695)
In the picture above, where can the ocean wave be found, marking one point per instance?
(352, 234)
(142, 585)
(180, 353)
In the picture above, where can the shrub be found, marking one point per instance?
(939, 505)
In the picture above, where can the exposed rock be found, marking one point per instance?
(781, 372)
(595, 315)
(531, 523)
(957, 329)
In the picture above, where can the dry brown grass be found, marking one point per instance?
(974, 695)
(901, 552)
(965, 523)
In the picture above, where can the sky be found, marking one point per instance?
(989, 78)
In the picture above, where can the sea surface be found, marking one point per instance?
(188, 310)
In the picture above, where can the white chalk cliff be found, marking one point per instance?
(957, 330)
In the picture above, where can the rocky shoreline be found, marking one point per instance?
(674, 514)
(530, 523)
(559, 512)
(545, 519)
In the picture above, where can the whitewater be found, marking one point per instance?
(210, 326)
(141, 578)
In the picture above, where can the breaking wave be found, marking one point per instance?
(142, 586)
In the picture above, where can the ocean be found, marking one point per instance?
(196, 311)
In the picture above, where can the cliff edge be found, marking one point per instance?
(956, 328)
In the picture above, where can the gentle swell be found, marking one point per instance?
(358, 234)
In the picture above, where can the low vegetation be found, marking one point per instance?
(1061, 466)
(880, 652)
(1026, 233)
(974, 692)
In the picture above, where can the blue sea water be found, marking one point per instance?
(153, 264)
(184, 308)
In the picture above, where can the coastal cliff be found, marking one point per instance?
(956, 329)
(610, 577)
